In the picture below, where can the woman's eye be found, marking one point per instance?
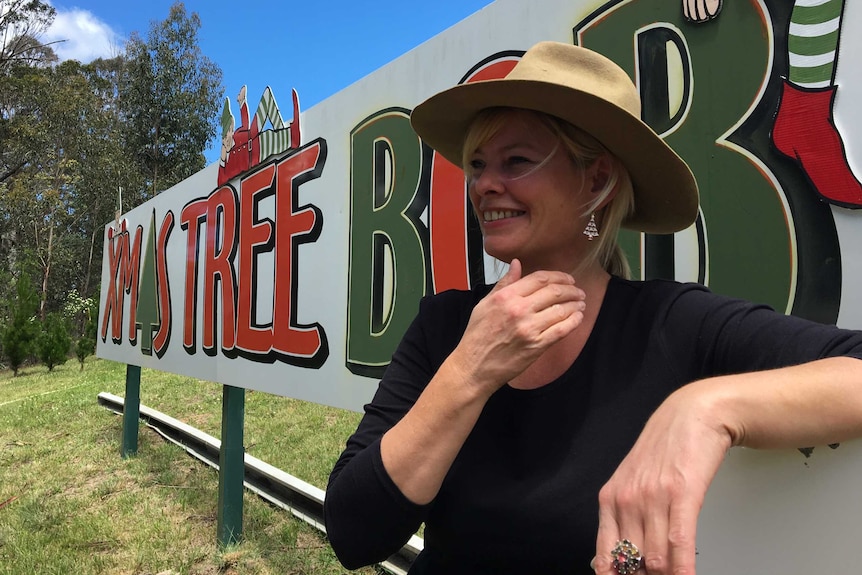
(476, 164)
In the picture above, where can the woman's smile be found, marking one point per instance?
(497, 215)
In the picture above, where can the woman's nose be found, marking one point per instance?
(486, 181)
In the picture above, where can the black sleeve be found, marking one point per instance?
(367, 517)
(716, 335)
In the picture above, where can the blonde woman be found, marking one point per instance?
(569, 416)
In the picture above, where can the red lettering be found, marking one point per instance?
(254, 237)
(191, 219)
(447, 213)
(294, 226)
(230, 289)
(132, 268)
(221, 220)
(123, 261)
(113, 311)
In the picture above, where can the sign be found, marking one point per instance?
(294, 265)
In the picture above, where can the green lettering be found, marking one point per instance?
(388, 242)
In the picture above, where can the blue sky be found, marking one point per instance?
(316, 47)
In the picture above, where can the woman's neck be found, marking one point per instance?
(557, 359)
(585, 277)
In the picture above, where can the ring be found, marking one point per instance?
(627, 557)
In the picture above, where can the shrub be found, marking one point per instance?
(22, 330)
(54, 341)
(87, 342)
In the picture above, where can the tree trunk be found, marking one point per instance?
(86, 292)
(47, 271)
(156, 159)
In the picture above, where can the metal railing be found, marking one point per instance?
(302, 499)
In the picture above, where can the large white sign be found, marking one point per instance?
(295, 264)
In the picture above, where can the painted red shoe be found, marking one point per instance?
(804, 130)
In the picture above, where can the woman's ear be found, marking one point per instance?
(600, 171)
(599, 174)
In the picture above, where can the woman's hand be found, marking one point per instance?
(515, 323)
(654, 497)
(507, 331)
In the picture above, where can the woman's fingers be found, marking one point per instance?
(519, 319)
(682, 532)
(655, 495)
(654, 545)
(607, 536)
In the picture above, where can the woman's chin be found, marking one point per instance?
(505, 256)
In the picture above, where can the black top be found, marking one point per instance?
(521, 497)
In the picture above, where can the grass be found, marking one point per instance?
(70, 504)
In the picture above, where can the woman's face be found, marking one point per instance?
(529, 195)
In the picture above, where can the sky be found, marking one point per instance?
(317, 47)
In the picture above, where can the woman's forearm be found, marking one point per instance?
(419, 450)
(810, 404)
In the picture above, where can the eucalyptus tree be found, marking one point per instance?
(22, 23)
(170, 100)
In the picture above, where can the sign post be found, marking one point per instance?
(231, 466)
(131, 411)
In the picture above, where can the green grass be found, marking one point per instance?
(70, 504)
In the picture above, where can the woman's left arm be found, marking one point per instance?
(654, 497)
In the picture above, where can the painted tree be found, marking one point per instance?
(170, 100)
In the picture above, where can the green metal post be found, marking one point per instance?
(131, 411)
(231, 466)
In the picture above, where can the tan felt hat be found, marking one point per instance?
(591, 92)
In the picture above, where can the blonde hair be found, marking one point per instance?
(583, 149)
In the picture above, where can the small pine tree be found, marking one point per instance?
(22, 330)
(87, 342)
(54, 341)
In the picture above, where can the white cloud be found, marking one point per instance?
(84, 36)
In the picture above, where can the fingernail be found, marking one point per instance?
(593, 563)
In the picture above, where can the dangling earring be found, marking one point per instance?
(592, 230)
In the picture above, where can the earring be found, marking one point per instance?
(592, 230)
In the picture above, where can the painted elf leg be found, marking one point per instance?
(804, 128)
(282, 136)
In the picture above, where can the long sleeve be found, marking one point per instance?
(712, 335)
(367, 517)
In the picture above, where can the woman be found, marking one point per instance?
(567, 415)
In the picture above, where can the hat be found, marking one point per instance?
(591, 92)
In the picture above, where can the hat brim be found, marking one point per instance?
(665, 191)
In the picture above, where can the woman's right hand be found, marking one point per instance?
(508, 330)
(515, 323)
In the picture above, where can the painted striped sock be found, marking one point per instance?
(812, 42)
